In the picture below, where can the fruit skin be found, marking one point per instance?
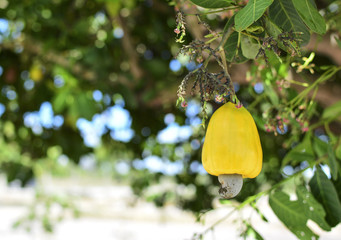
(232, 144)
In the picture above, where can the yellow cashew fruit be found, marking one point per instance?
(232, 149)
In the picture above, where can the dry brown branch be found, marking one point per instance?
(130, 50)
(35, 48)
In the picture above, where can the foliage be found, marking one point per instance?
(276, 32)
(81, 63)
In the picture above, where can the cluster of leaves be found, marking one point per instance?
(271, 33)
(210, 85)
(261, 28)
(319, 196)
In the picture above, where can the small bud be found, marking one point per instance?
(184, 104)
(301, 107)
(219, 98)
(285, 120)
(267, 128)
(239, 104)
(305, 129)
(177, 30)
(199, 59)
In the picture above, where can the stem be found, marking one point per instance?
(322, 122)
(215, 224)
(216, 11)
(256, 101)
(251, 36)
(325, 76)
(211, 40)
(310, 105)
(223, 58)
(226, 35)
(298, 83)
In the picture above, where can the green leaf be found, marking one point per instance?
(251, 232)
(60, 101)
(300, 153)
(86, 106)
(260, 122)
(274, 60)
(325, 192)
(250, 13)
(231, 46)
(310, 16)
(249, 48)
(70, 80)
(312, 208)
(320, 147)
(284, 15)
(337, 185)
(270, 92)
(82, 107)
(268, 86)
(271, 28)
(338, 150)
(333, 165)
(297, 157)
(239, 58)
(290, 213)
(253, 205)
(229, 24)
(213, 4)
(254, 29)
(332, 111)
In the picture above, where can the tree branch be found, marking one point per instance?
(130, 49)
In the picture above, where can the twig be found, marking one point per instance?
(255, 197)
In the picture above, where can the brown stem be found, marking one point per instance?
(129, 49)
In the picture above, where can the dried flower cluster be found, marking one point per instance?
(280, 122)
(286, 39)
(210, 85)
(180, 27)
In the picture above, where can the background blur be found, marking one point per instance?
(89, 126)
